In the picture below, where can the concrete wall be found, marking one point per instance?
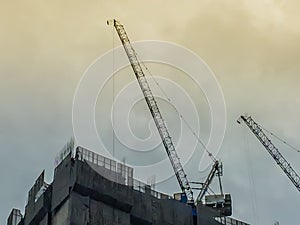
(44, 221)
(120, 201)
(61, 217)
(205, 215)
(81, 195)
(15, 217)
(85, 210)
(64, 180)
(35, 211)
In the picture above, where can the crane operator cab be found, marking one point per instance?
(220, 203)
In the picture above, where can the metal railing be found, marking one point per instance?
(230, 221)
(125, 171)
(145, 188)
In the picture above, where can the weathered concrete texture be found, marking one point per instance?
(124, 202)
(92, 184)
(44, 221)
(35, 211)
(86, 210)
(61, 215)
(108, 174)
(64, 180)
(205, 214)
(15, 217)
(174, 212)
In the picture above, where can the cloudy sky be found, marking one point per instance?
(252, 46)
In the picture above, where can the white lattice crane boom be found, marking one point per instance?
(153, 107)
(274, 152)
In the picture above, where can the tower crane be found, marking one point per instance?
(155, 112)
(217, 169)
(221, 203)
(273, 151)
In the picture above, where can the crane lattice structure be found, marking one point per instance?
(274, 152)
(153, 107)
(217, 169)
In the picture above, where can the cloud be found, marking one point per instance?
(252, 46)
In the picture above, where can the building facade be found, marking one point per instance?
(89, 189)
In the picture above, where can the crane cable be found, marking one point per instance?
(113, 95)
(280, 139)
(180, 115)
(249, 167)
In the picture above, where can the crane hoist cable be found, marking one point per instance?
(179, 114)
(280, 139)
(113, 95)
(249, 168)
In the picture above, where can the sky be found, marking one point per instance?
(251, 46)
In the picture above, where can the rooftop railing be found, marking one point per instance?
(125, 171)
(230, 221)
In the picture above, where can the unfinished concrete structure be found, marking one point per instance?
(89, 189)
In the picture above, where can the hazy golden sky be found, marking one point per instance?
(53, 42)
(252, 46)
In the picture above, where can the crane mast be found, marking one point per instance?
(217, 169)
(274, 152)
(155, 112)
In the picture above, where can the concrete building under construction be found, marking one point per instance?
(89, 189)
